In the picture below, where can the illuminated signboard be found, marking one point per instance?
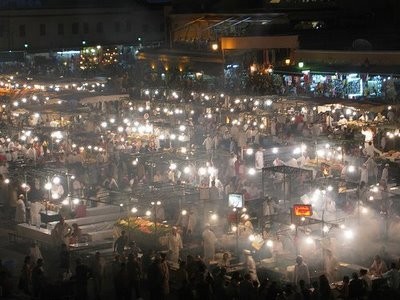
(302, 210)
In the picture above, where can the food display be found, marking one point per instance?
(391, 155)
(148, 233)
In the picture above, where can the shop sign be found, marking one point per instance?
(302, 210)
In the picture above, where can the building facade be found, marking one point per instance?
(40, 29)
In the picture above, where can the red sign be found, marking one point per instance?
(302, 210)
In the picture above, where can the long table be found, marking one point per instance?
(42, 235)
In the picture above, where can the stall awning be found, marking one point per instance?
(107, 98)
(179, 56)
(260, 42)
(286, 170)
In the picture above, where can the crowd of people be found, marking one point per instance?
(131, 274)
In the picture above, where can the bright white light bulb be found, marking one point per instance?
(349, 234)
(56, 180)
(309, 240)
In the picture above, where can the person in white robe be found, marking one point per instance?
(331, 266)
(35, 209)
(31, 153)
(301, 272)
(250, 265)
(259, 159)
(364, 174)
(34, 252)
(368, 136)
(329, 121)
(174, 244)
(370, 150)
(159, 213)
(209, 241)
(20, 212)
(61, 233)
(385, 174)
(191, 223)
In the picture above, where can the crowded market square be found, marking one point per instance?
(225, 166)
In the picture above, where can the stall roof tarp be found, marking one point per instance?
(286, 170)
(107, 98)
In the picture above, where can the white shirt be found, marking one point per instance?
(259, 159)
